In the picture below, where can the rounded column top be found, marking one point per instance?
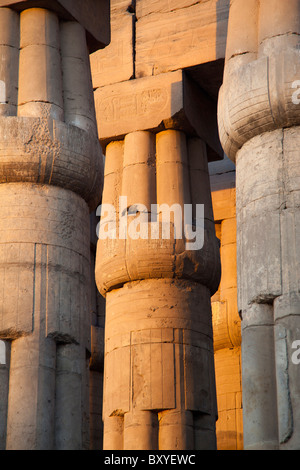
(261, 87)
(93, 15)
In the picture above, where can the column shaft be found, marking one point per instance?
(31, 404)
(157, 273)
(77, 84)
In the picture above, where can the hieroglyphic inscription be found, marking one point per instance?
(121, 107)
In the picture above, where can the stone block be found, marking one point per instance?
(199, 378)
(167, 101)
(122, 261)
(165, 43)
(243, 15)
(93, 15)
(166, 180)
(120, 51)
(39, 81)
(9, 28)
(40, 87)
(286, 334)
(229, 426)
(32, 370)
(39, 27)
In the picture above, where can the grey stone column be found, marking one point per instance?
(259, 117)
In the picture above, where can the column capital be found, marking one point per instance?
(260, 91)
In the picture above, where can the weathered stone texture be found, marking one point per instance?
(263, 74)
(96, 362)
(9, 48)
(94, 15)
(42, 151)
(156, 339)
(115, 63)
(162, 169)
(226, 320)
(122, 260)
(167, 101)
(165, 43)
(173, 335)
(229, 427)
(259, 129)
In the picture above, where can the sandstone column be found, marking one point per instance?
(226, 321)
(259, 128)
(51, 177)
(97, 350)
(159, 383)
(4, 377)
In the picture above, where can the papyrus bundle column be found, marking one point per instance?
(159, 383)
(259, 127)
(51, 176)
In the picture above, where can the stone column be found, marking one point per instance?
(259, 119)
(159, 383)
(51, 178)
(226, 321)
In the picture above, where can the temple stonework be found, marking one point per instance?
(120, 332)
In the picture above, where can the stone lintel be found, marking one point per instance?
(167, 101)
(93, 15)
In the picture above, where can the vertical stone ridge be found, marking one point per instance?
(153, 289)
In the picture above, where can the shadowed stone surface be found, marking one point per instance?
(93, 15)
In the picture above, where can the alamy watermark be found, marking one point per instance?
(163, 222)
(296, 354)
(2, 92)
